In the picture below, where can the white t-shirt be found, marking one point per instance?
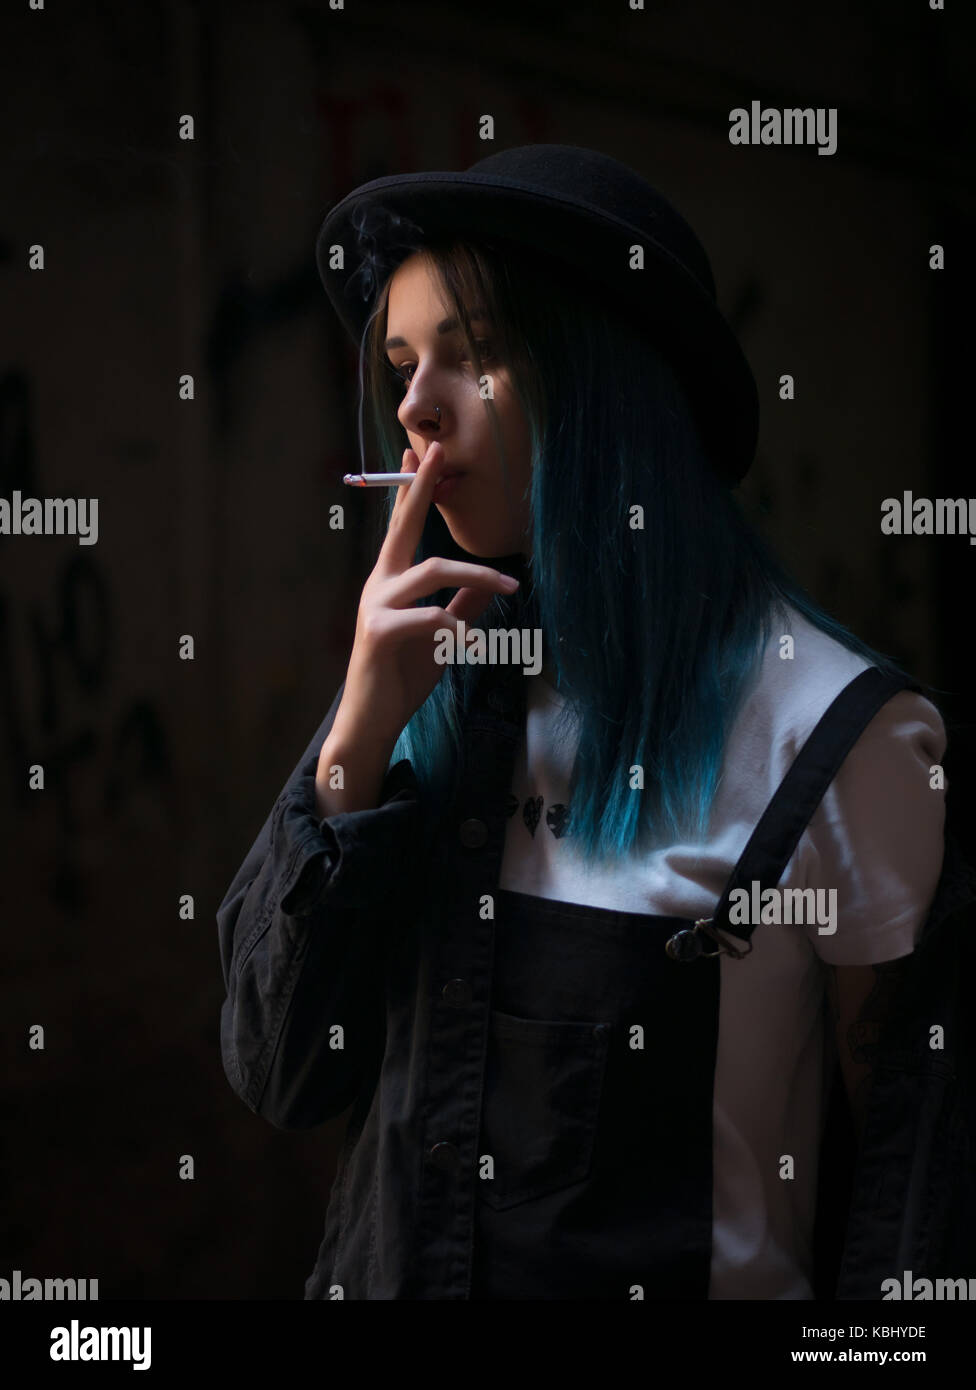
(877, 837)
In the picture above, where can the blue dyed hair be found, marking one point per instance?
(656, 633)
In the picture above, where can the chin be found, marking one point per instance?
(476, 543)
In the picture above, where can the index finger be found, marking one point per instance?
(410, 512)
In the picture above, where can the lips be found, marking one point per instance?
(446, 484)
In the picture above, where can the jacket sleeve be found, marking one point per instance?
(303, 931)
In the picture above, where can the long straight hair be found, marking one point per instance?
(655, 596)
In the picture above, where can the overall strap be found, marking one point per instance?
(797, 797)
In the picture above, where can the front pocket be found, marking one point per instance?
(543, 1082)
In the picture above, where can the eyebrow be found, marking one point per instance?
(445, 326)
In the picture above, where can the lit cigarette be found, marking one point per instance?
(377, 479)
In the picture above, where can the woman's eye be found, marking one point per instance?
(405, 371)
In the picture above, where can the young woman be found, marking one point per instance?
(483, 910)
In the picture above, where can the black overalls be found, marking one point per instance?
(566, 1050)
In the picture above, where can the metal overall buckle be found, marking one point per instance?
(687, 945)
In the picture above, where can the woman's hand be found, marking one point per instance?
(392, 669)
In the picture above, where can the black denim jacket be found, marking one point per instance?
(321, 981)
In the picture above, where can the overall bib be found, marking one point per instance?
(602, 1148)
(540, 1123)
(599, 1080)
(586, 1052)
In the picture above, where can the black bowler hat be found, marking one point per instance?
(582, 208)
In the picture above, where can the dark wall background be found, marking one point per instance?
(165, 257)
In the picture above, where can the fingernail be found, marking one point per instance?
(510, 581)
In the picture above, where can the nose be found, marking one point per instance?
(418, 412)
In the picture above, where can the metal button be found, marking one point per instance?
(685, 945)
(445, 1156)
(601, 1030)
(456, 992)
(473, 833)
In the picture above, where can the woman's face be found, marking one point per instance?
(484, 517)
